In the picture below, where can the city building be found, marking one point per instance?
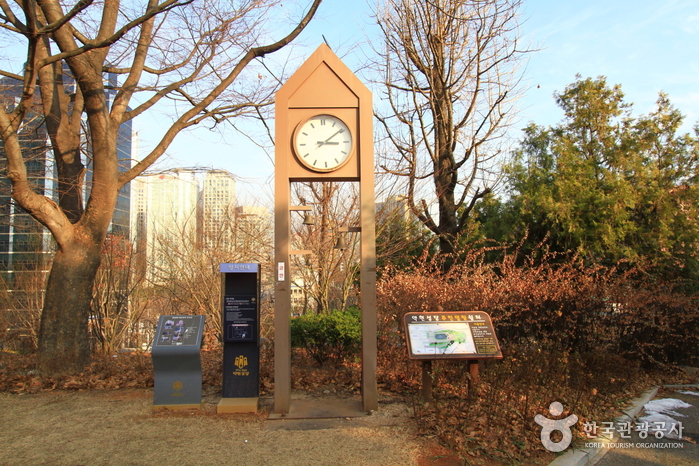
(163, 213)
(217, 208)
(25, 245)
(395, 208)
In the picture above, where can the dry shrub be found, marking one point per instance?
(497, 419)
(583, 336)
(341, 377)
(18, 374)
(581, 309)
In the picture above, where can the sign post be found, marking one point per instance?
(177, 362)
(450, 335)
(240, 302)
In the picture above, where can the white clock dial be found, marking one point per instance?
(323, 143)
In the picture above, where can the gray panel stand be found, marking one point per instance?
(177, 362)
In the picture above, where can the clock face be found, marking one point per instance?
(323, 143)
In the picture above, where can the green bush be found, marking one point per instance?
(325, 336)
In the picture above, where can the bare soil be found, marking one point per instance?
(121, 428)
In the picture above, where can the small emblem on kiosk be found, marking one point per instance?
(241, 362)
(177, 386)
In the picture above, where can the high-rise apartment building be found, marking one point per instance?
(217, 208)
(163, 211)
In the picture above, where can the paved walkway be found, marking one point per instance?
(665, 451)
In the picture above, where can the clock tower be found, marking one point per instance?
(323, 132)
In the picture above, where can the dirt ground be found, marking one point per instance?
(105, 416)
(120, 428)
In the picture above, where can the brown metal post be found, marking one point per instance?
(427, 380)
(473, 370)
(473, 380)
(370, 396)
(282, 291)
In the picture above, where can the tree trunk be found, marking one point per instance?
(64, 345)
(70, 185)
(445, 183)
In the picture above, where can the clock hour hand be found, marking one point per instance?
(327, 141)
(322, 143)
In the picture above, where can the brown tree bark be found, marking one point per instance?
(64, 345)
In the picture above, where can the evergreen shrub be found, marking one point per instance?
(336, 335)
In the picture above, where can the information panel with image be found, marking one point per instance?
(179, 331)
(451, 335)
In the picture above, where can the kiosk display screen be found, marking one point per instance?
(179, 331)
(240, 317)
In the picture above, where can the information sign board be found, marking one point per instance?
(177, 361)
(451, 335)
(240, 317)
(179, 331)
(240, 301)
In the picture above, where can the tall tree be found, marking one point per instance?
(189, 51)
(449, 71)
(605, 185)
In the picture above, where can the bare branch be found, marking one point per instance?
(77, 9)
(189, 117)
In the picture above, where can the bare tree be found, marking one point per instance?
(327, 276)
(449, 76)
(188, 51)
(115, 312)
(185, 273)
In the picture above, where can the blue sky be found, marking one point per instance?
(646, 46)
